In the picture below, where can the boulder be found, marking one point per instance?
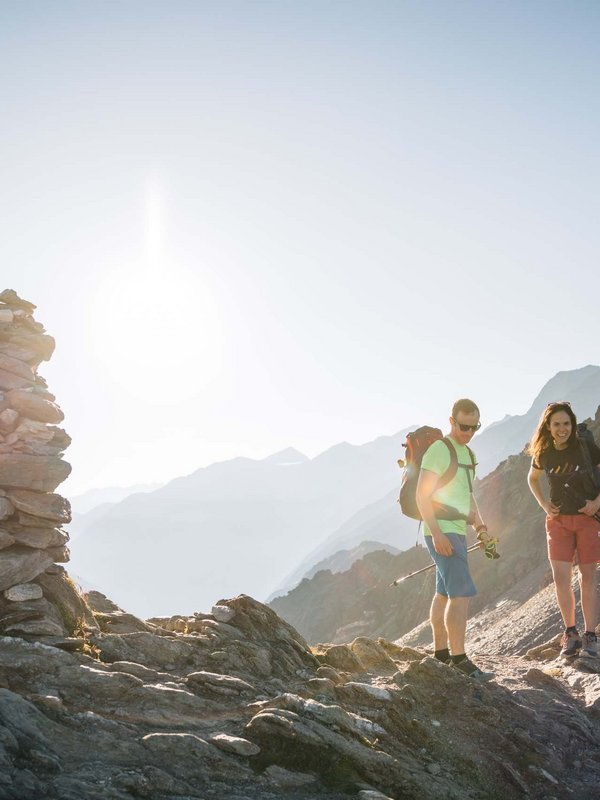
(30, 347)
(41, 473)
(23, 591)
(59, 554)
(21, 564)
(35, 616)
(223, 613)
(32, 405)
(9, 380)
(16, 367)
(40, 538)
(11, 299)
(372, 654)
(45, 505)
(234, 744)
(28, 431)
(339, 656)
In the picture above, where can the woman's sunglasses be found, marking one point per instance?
(464, 428)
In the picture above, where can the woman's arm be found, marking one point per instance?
(533, 479)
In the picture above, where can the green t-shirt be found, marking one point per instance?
(456, 493)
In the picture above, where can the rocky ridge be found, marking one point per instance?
(234, 703)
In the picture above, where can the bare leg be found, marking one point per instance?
(456, 623)
(436, 618)
(562, 572)
(589, 595)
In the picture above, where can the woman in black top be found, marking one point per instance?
(571, 524)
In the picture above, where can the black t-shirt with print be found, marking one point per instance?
(568, 467)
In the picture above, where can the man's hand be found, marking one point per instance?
(590, 508)
(483, 537)
(442, 544)
(487, 543)
(550, 509)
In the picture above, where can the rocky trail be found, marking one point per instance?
(234, 704)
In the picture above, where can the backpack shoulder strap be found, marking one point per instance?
(473, 465)
(452, 469)
(587, 460)
(473, 459)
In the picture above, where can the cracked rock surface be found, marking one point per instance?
(192, 707)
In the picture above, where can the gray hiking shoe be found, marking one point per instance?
(570, 644)
(472, 671)
(589, 646)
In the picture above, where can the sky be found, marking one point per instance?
(253, 225)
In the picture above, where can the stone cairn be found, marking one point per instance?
(31, 515)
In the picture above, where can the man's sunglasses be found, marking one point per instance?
(464, 428)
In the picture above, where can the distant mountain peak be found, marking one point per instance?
(566, 384)
(288, 456)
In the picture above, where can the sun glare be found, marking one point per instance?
(155, 326)
(157, 333)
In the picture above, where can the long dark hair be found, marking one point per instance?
(541, 439)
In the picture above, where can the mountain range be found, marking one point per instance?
(82, 503)
(260, 527)
(234, 526)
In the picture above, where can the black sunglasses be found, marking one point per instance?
(559, 403)
(464, 428)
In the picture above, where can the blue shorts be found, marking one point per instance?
(452, 575)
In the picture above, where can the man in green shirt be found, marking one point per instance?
(446, 539)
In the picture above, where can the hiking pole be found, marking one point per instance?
(470, 549)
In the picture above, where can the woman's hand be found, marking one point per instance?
(550, 509)
(590, 508)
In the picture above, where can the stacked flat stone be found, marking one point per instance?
(31, 515)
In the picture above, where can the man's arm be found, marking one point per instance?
(426, 486)
(533, 479)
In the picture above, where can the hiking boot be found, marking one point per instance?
(472, 671)
(589, 646)
(570, 644)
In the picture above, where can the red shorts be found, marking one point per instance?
(569, 533)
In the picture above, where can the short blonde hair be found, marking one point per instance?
(465, 405)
